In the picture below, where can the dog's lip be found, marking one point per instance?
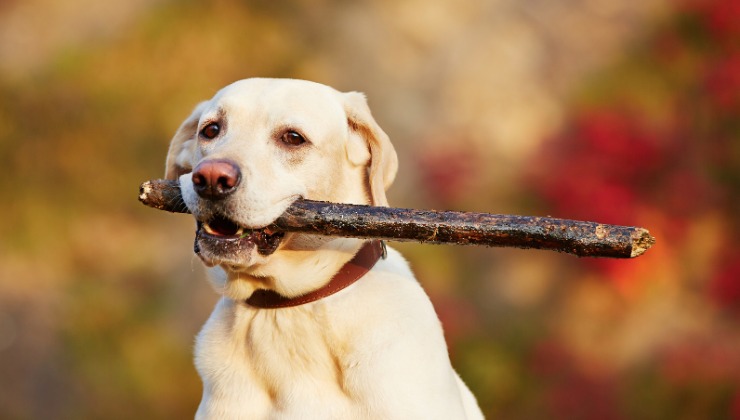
(223, 227)
(225, 237)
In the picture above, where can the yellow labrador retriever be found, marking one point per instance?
(308, 327)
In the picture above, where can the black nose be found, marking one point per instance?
(216, 179)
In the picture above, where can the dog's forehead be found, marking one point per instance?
(277, 100)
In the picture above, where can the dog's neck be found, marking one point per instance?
(350, 272)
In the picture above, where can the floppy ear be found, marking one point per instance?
(182, 146)
(383, 160)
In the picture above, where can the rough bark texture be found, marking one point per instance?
(584, 239)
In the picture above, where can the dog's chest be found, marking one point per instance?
(273, 359)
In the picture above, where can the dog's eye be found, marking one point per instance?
(291, 138)
(210, 131)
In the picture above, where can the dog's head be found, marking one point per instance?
(259, 144)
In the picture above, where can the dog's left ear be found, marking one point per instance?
(182, 146)
(367, 134)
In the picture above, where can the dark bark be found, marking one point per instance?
(584, 239)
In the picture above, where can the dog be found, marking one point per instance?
(294, 336)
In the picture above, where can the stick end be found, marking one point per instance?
(642, 240)
(145, 189)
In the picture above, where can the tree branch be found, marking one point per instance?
(584, 239)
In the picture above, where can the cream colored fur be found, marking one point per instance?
(374, 350)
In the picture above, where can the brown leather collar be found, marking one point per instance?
(352, 271)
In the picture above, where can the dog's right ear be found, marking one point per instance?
(182, 146)
(370, 143)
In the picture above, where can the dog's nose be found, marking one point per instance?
(216, 179)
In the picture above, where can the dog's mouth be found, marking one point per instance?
(224, 237)
(222, 227)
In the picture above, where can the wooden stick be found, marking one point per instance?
(584, 239)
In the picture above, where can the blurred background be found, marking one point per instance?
(620, 112)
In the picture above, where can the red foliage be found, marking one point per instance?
(459, 319)
(720, 17)
(723, 82)
(570, 391)
(616, 165)
(735, 405)
(701, 360)
(446, 173)
(613, 164)
(724, 286)
(600, 167)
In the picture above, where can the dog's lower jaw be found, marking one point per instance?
(290, 272)
(236, 259)
(231, 267)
